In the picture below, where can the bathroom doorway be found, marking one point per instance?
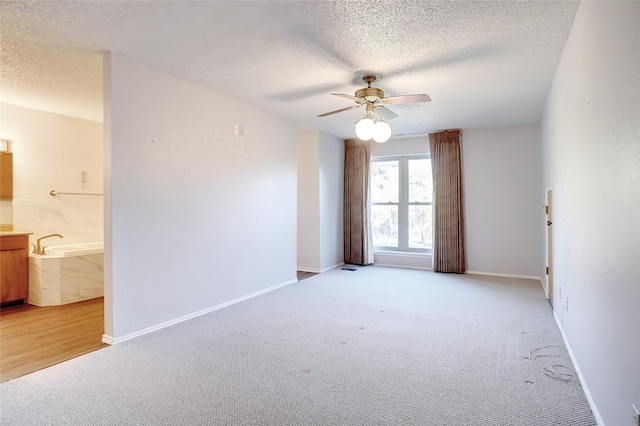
(57, 190)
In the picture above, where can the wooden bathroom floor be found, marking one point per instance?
(303, 275)
(33, 338)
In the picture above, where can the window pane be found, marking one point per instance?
(384, 225)
(420, 183)
(384, 181)
(420, 236)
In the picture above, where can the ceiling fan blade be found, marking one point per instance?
(304, 92)
(339, 110)
(353, 98)
(405, 99)
(385, 112)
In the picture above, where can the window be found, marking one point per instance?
(401, 203)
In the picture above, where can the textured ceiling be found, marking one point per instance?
(483, 63)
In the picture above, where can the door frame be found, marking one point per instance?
(549, 245)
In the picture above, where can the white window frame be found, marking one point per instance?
(403, 203)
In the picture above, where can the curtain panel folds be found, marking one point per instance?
(358, 245)
(448, 227)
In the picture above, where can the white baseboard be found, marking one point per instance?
(497, 274)
(337, 265)
(592, 404)
(390, 265)
(544, 287)
(112, 341)
(319, 271)
(305, 269)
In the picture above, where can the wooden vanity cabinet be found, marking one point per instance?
(14, 268)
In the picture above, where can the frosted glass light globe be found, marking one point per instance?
(381, 132)
(364, 129)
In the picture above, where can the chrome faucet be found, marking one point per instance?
(39, 249)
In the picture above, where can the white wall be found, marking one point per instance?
(331, 195)
(50, 151)
(308, 201)
(502, 170)
(320, 201)
(6, 212)
(503, 197)
(591, 146)
(192, 222)
(401, 146)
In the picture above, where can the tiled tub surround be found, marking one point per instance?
(60, 279)
(78, 218)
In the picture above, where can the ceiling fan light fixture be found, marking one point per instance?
(365, 128)
(370, 125)
(381, 131)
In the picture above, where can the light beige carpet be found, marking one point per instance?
(378, 346)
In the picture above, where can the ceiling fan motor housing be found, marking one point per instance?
(370, 94)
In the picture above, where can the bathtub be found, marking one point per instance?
(79, 249)
(66, 274)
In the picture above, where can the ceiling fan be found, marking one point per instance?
(372, 125)
(374, 98)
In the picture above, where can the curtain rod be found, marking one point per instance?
(53, 193)
(448, 130)
(423, 135)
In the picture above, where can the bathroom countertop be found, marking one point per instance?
(3, 233)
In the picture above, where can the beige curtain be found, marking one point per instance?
(448, 226)
(358, 246)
